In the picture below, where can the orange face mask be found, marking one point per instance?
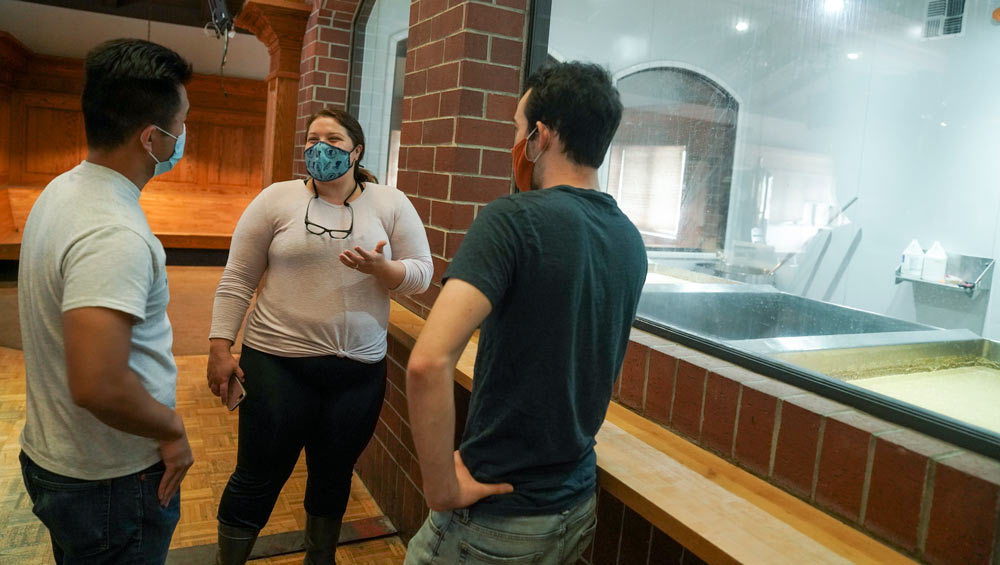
(523, 167)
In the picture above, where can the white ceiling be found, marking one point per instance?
(63, 32)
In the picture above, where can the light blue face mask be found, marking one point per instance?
(164, 166)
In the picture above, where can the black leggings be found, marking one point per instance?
(329, 405)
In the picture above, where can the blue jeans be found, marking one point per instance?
(116, 520)
(466, 536)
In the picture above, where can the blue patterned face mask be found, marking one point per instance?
(327, 162)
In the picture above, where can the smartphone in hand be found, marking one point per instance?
(236, 393)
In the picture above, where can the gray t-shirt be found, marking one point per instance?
(87, 244)
(310, 304)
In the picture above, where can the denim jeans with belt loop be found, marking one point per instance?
(465, 536)
(117, 520)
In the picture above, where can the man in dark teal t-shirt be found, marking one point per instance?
(553, 276)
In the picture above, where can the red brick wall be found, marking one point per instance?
(324, 66)
(463, 78)
(388, 467)
(929, 499)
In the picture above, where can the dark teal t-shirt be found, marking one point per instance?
(563, 268)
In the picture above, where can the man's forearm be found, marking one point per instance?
(98, 341)
(430, 395)
(430, 392)
(128, 407)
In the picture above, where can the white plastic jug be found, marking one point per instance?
(935, 263)
(913, 260)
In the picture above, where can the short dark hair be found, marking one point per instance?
(580, 103)
(129, 84)
(354, 131)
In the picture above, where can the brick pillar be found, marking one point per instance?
(324, 65)
(279, 24)
(463, 79)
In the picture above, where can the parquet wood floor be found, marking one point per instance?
(386, 551)
(212, 432)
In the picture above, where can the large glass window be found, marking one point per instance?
(779, 157)
(378, 66)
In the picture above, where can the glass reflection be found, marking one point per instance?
(778, 157)
(670, 164)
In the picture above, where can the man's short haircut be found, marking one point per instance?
(580, 103)
(130, 84)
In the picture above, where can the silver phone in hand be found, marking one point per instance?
(236, 393)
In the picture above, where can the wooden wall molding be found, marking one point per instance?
(49, 74)
(13, 57)
(280, 25)
(5, 106)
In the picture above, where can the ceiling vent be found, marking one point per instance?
(944, 18)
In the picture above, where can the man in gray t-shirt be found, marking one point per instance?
(103, 450)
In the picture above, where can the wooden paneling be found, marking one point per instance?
(4, 134)
(55, 140)
(217, 156)
(233, 160)
(195, 205)
(62, 74)
(44, 135)
(13, 57)
(51, 74)
(246, 96)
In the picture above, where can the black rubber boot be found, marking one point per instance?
(322, 535)
(235, 545)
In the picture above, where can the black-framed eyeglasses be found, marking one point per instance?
(317, 229)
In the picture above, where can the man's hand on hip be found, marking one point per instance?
(178, 459)
(471, 491)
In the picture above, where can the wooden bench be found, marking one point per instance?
(10, 232)
(718, 511)
(181, 219)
